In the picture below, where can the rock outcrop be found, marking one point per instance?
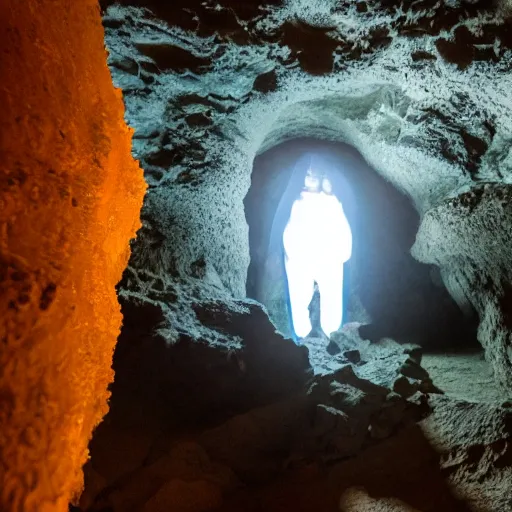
(70, 197)
(468, 237)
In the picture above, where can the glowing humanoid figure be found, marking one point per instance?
(317, 241)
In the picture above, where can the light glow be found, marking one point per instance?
(317, 241)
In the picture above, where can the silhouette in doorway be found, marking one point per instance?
(317, 241)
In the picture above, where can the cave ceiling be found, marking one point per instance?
(419, 87)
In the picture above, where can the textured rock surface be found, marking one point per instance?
(70, 196)
(240, 362)
(228, 446)
(210, 399)
(465, 376)
(209, 85)
(469, 238)
(439, 465)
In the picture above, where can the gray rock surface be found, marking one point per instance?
(421, 90)
(318, 415)
(215, 400)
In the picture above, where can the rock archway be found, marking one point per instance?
(210, 403)
(386, 288)
(395, 83)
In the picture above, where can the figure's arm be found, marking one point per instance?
(346, 237)
(343, 232)
(289, 233)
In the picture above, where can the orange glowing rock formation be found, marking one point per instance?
(70, 197)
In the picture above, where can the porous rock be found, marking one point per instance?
(397, 83)
(70, 198)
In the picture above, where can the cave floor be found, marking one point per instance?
(399, 475)
(413, 471)
(463, 375)
(458, 458)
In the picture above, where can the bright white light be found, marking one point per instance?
(317, 241)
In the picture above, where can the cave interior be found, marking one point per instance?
(152, 152)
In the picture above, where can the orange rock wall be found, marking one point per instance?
(70, 197)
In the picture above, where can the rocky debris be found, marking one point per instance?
(407, 472)
(353, 356)
(398, 367)
(339, 414)
(256, 435)
(410, 368)
(333, 348)
(415, 353)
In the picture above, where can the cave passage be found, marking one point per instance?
(317, 241)
(384, 288)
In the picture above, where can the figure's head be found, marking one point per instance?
(312, 181)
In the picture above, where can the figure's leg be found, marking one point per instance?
(330, 283)
(300, 287)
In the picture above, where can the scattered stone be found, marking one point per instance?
(412, 369)
(427, 386)
(415, 353)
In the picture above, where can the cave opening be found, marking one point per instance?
(386, 292)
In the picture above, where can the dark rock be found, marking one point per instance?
(415, 353)
(420, 55)
(427, 386)
(412, 369)
(125, 64)
(267, 82)
(256, 444)
(333, 348)
(404, 387)
(168, 56)
(353, 356)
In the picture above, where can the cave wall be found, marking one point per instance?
(70, 197)
(420, 89)
(469, 237)
(386, 287)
